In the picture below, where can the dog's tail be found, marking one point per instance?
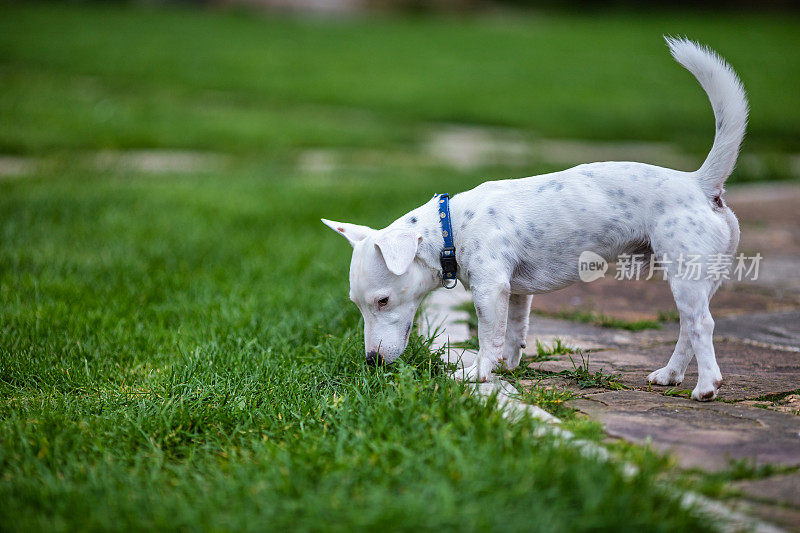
(729, 102)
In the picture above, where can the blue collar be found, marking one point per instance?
(448, 255)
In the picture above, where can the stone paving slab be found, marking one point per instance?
(769, 217)
(749, 371)
(781, 329)
(779, 277)
(784, 517)
(787, 404)
(632, 300)
(590, 337)
(701, 435)
(442, 317)
(783, 489)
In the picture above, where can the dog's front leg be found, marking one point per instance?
(491, 305)
(519, 314)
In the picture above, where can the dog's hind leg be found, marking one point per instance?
(695, 296)
(692, 297)
(672, 374)
(519, 314)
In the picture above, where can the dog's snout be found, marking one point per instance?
(374, 358)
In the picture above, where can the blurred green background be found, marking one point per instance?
(267, 83)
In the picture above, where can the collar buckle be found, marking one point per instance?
(449, 264)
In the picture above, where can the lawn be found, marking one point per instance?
(100, 77)
(176, 347)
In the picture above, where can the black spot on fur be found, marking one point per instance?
(718, 202)
(469, 213)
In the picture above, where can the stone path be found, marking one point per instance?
(706, 437)
(757, 338)
(751, 369)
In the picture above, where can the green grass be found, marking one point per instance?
(580, 373)
(550, 398)
(588, 316)
(669, 316)
(171, 358)
(177, 350)
(558, 347)
(585, 378)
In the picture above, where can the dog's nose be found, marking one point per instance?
(374, 358)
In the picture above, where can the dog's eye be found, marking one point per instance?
(383, 302)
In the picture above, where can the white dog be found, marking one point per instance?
(516, 238)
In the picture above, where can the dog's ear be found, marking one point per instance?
(398, 247)
(352, 232)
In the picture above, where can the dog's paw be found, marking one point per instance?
(504, 365)
(478, 372)
(510, 361)
(705, 392)
(665, 376)
(470, 374)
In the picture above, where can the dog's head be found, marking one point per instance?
(387, 283)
